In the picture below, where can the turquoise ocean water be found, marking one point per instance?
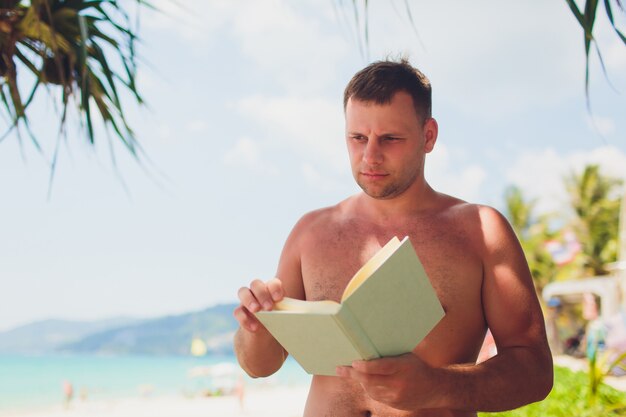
(34, 382)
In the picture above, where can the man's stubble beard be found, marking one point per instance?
(390, 190)
(386, 193)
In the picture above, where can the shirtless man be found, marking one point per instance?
(469, 252)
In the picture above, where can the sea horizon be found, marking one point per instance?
(36, 381)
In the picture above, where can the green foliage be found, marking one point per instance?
(519, 210)
(601, 363)
(586, 19)
(596, 204)
(532, 233)
(68, 45)
(570, 397)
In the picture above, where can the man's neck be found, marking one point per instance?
(411, 203)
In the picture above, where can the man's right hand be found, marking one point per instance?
(258, 296)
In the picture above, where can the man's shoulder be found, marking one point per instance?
(486, 228)
(322, 217)
(480, 219)
(464, 209)
(315, 224)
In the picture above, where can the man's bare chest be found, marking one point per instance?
(449, 259)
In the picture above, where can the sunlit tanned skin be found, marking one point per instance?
(470, 254)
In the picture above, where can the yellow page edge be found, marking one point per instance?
(293, 305)
(370, 266)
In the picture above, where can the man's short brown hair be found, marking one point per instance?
(379, 81)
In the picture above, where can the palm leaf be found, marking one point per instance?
(27, 63)
(33, 28)
(75, 39)
(8, 105)
(586, 21)
(359, 10)
(99, 54)
(84, 80)
(609, 13)
(35, 71)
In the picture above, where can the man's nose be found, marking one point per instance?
(372, 154)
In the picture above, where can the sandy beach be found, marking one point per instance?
(275, 401)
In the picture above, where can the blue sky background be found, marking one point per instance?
(244, 128)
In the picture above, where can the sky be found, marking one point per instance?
(244, 133)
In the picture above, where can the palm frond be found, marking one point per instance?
(71, 44)
(609, 13)
(586, 20)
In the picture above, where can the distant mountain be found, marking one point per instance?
(47, 335)
(171, 335)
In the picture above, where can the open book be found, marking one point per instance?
(387, 308)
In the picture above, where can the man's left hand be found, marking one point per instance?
(403, 382)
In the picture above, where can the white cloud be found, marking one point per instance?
(612, 160)
(282, 38)
(313, 127)
(319, 181)
(541, 173)
(246, 153)
(605, 126)
(615, 57)
(196, 126)
(164, 132)
(611, 46)
(192, 20)
(446, 174)
(287, 43)
(495, 58)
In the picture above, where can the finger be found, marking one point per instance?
(382, 366)
(262, 294)
(344, 371)
(246, 319)
(368, 381)
(248, 300)
(275, 287)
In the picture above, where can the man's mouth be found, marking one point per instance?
(374, 175)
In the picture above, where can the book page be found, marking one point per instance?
(316, 341)
(370, 266)
(288, 304)
(396, 306)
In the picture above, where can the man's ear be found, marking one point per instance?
(431, 131)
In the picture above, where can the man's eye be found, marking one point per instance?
(359, 138)
(391, 138)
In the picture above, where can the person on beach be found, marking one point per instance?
(469, 251)
(68, 393)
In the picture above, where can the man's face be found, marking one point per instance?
(387, 144)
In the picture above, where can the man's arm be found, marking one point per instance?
(519, 374)
(258, 353)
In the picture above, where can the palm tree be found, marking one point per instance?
(519, 211)
(68, 45)
(596, 203)
(533, 233)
